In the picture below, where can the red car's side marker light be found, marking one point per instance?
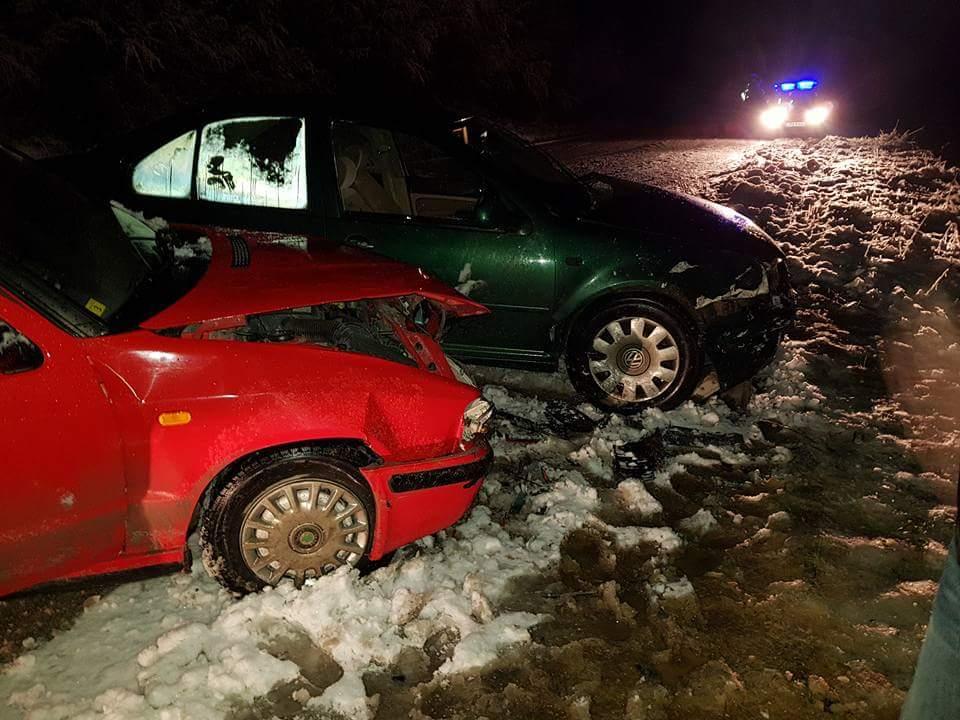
(169, 419)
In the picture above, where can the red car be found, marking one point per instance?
(293, 405)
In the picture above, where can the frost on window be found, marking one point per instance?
(254, 161)
(166, 172)
(17, 353)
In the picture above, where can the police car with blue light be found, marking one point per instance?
(790, 105)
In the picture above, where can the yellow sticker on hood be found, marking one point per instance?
(96, 307)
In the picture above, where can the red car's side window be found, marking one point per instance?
(17, 353)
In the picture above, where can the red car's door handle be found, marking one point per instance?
(359, 241)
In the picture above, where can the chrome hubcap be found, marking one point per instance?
(634, 359)
(302, 528)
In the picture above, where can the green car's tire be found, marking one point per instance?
(635, 354)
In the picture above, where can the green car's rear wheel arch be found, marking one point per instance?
(634, 354)
(293, 514)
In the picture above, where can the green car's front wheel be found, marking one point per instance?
(634, 354)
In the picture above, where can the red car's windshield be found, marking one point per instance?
(70, 259)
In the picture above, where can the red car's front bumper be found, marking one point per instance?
(415, 499)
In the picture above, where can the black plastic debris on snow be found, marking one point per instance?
(642, 458)
(565, 419)
(516, 428)
(639, 459)
(534, 479)
(684, 437)
(562, 419)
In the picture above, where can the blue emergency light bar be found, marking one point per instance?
(798, 85)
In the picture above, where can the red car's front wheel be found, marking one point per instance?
(293, 514)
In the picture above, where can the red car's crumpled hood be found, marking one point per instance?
(251, 273)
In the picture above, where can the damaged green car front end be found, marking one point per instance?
(713, 265)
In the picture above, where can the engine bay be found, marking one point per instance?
(369, 327)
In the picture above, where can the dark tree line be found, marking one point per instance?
(81, 69)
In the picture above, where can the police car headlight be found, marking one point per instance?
(774, 117)
(817, 115)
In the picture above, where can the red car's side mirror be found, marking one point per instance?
(17, 353)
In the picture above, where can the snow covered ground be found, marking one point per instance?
(773, 563)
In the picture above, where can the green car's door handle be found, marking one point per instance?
(574, 261)
(359, 241)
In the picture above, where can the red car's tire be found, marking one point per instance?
(294, 513)
(635, 354)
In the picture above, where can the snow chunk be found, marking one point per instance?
(346, 697)
(529, 408)
(465, 284)
(634, 496)
(596, 457)
(199, 249)
(666, 591)
(698, 524)
(666, 540)
(780, 520)
(483, 646)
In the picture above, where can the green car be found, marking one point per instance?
(646, 295)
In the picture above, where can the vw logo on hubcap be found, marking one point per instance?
(634, 361)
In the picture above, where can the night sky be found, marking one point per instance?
(85, 70)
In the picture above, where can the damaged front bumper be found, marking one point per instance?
(740, 343)
(416, 499)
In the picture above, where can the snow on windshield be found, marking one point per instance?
(199, 249)
(254, 161)
(134, 223)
